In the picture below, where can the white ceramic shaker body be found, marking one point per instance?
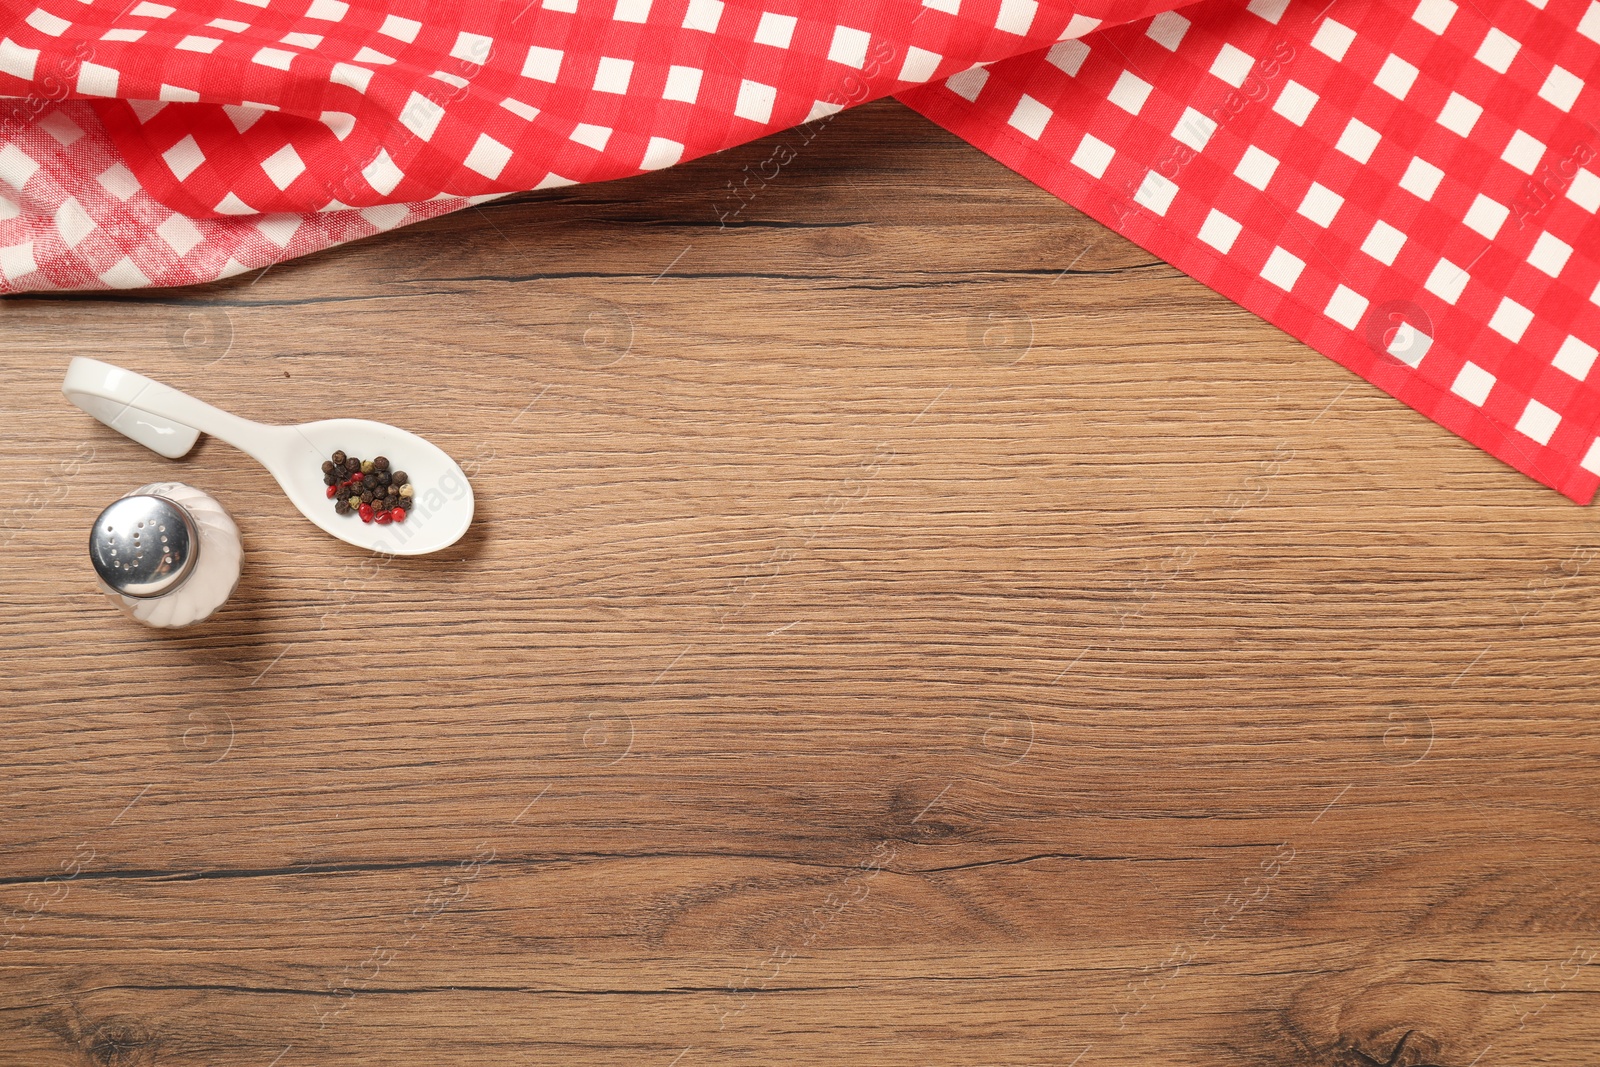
(167, 554)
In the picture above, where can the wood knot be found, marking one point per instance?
(114, 1041)
(121, 1043)
(1412, 1049)
(926, 812)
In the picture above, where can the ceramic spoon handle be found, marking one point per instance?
(160, 417)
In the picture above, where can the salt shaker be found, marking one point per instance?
(166, 554)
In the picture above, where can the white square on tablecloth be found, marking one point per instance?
(1130, 92)
(1093, 155)
(1523, 151)
(1486, 216)
(1396, 77)
(1333, 39)
(1029, 117)
(1358, 140)
(184, 158)
(1575, 358)
(1446, 281)
(849, 46)
(1016, 16)
(1256, 168)
(1549, 254)
(1538, 422)
(542, 64)
(612, 75)
(1321, 204)
(1167, 30)
(1194, 129)
(1472, 384)
(1346, 307)
(1068, 56)
(1383, 243)
(1219, 231)
(1421, 178)
(283, 166)
(755, 101)
(1561, 88)
(683, 83)
(920, 65)
(775, 30)
(1155, 193)
(488, 157)
(1232, 65)
(1295, 103)
(1435, 15)
(1585, 191)
(1510, 320)
(1497, 50)
(1459, 114)
(1283, 269)
(591, 135)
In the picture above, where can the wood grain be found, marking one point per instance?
(904, 624)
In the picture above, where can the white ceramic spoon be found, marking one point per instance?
(168, 421)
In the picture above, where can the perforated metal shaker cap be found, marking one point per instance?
(144, 545)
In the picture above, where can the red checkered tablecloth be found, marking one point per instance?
(1409, 186)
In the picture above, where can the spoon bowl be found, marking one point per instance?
(169, 422)
(440, 511)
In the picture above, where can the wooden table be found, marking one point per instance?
(905, 623)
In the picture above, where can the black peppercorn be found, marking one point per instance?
(376, 490)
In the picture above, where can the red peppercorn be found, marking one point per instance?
(331, 490)
(399, 514)
(383, 518)
(356, 477)
(365, 513)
